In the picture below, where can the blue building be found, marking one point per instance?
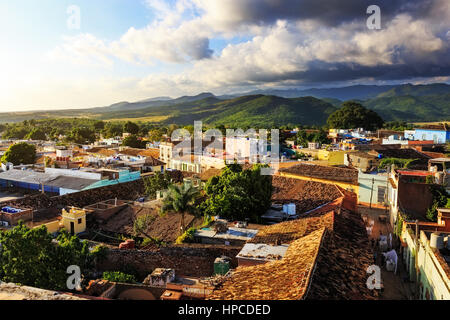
(438, 133)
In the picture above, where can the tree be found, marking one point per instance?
(155, 135)
(16, 132)
(81, 135)
(36, 134)
(353, 115)
(440, 200)
(133, 142)
(156, 183)
(238, 194)
(131, 127)
(99, 126)
(113, 130)
(20, 153)
(302, 138)
(140, 225)
(29, 257)
(181, 199)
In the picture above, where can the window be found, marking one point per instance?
(381, 194)
(80, 221)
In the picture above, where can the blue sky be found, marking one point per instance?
(136, 49)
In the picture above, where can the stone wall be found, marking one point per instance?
(193, 260)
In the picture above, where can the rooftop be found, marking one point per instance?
(152, 152)
(327, 258)
(285, 279)
(33, 177)
(338, 174)
(306, 195)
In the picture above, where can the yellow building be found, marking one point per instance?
(74, 220)
(334, 158)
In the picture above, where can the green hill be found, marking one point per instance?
(406, 102)
(412, 108)
(261, 111)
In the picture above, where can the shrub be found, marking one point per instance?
(186, 237)
(117, 276)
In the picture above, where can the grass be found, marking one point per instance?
(430, 123)
(143, 119)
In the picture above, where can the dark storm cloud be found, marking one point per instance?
(328, 12)
(319, 72)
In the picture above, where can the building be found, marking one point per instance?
(426, 254)
(409, 194)
(362, 161)
(55, 183)
(334, 157)
(334, 240)
(64, 181)
(166, 150)
(10, 216)
(395, 139)
(373, 189)
(74, 220)
(440, 168)
(438, 133)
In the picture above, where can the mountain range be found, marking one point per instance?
(415, 103)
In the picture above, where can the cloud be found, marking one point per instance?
(295, 42)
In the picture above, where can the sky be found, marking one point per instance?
(58, 54)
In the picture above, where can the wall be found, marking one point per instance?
(365, 188)
(13, 219)
(334, 158)
(52, 227)
(436, 136)
(414, 198)
(432, 277)
(187, 260)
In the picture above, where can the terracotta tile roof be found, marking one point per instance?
(150, 161)
(306, 195)
(108, 152)
(152, 152)
(208, 174)
(289, 231)
(323, 172)
(285, 279)
(131, 152)
(327, 258)
(102, 151)
(341, 268)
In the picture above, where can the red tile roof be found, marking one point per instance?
(327, 258)
(337, 174)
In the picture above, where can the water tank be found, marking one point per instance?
(436, 240)
(221, 266)
(285, 208)
(291, 209)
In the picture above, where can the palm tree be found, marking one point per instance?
(180, 199)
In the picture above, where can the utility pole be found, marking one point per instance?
(371, 192)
